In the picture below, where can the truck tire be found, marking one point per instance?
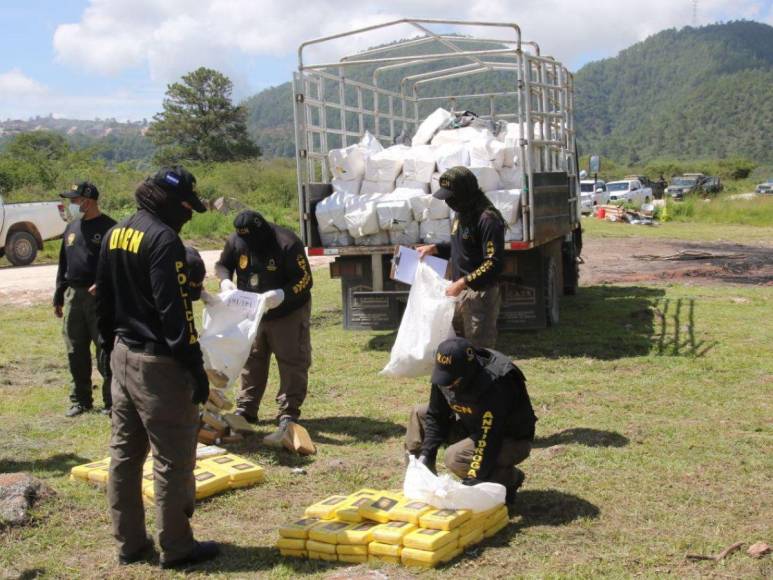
(552, 286)
(21, 248)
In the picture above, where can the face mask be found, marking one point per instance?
(76, 211)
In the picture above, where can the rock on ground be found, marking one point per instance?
(18, 493)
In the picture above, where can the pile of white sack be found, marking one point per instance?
(383, 196)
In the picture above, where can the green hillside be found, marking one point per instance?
(687, 94)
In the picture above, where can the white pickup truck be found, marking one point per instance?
(630, 191)
(25, 226)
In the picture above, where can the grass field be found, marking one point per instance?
(654, 420)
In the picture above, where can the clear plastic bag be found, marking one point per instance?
(446, 492)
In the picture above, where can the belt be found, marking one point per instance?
(152, 348)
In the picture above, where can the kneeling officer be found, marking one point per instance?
(480, 407)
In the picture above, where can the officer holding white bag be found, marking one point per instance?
(271, 260)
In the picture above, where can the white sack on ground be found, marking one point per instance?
(380, 187)
(451, 155)
(437, 120)
(419, 164)
(386, 165)
(435, 231)
(427, 321)
(350, 186)
(444, 492)
(336, 239)
(404, 183)
(488, 178)
(514, 233)
(228, 330)
(427, 207)
(330, 212)
(379, 239)
(406, 237)
(507, 201)
(462, 135)
(511, 177)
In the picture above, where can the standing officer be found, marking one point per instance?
(74, 294)
(476, 251)
(144, 310)
(270, 259)
(480, 407)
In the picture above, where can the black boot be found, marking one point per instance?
(519, 477)
(202, 552)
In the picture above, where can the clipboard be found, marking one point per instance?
(406, 260)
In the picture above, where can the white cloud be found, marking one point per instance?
(171, 37)
(14, 84)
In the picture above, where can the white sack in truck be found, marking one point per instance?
(486, 153)
(386, 165)
(451, 155)
(435, 231)
(379, 187)
(406, 237)
(348, 163)
(437, 120)
(427, 207)
(379, 239)
(434, 185)
(361, 219)
(351, 186)
(370, 143)
(514, 233)
(511, 177)
(419, 186)
(336, 239)
(419, 164)
(507, 201)
(394, 212)
(488, 178)
(330, 212)
(463, 135)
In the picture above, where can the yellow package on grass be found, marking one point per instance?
(320, 547)
(430, 540)
(298, 529)
(291, 544)
(99, 475)
(293, 553)
(326, 509)
(414, 558)
(496, 526)
(472, 538)
(327, 531)
(380, 509)
(322, 556)
(240, 472)
(444, 519)
(209, 482)
(352, 558)
(82, 471)
(392, 532)
(352, 550)
(381, 549)
(361, 533)
(350, 511)
(410, 510)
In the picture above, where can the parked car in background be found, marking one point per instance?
(686, 184)
(25, 226)
(712, 185)
(629, 191)
(592, 193)
(765, 187)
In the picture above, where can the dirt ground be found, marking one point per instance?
(636, 260)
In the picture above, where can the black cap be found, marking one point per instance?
(453, 360)
(197, 271)
(455, 182)
(83, 189)
(249, 222)
(179, 181)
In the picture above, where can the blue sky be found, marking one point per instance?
(114, 58)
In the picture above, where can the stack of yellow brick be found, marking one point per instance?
(384, 526)
(216, 471)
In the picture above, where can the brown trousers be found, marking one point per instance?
(476, 316)
(152, 408)
(462, 448)
(289, 339)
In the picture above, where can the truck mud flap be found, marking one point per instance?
(523, 300)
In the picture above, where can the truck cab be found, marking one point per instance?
(25, 226)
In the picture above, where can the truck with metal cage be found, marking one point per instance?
(388, 91)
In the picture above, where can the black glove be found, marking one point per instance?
(429, 462)
(103, 362)
(201, 386)
(471, 481)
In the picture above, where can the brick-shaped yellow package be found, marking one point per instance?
(496, 527)
(326, 509)
(471, 526)
(82, 471)
(412, 557)
(353, 559)
(472, 538)
(327, 531)
(380, 509)
(429, 539)
(298, 529)
(240, 472)
(444, 519)
(291, 544)
(361, 533)
(293, 553)
(392, 532)
(350, 510)
(99, 475)
(352, 550)
(322, 556)
(209, 482)
(320, 547)
(382, 549)
(410, 510)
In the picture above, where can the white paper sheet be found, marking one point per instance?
(407, 259)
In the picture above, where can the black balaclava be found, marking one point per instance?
(255, 230)
(167, 206)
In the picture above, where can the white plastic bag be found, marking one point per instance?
(435, 231)
(428, 207)
(331, 212)
(405, 237)
(508, 202)
(451, 155)
(437, 120)
(348, 163)
(380, 187)
(447, 493)
(230, 325)
(419, 164)
(427, 321)
(386, 165)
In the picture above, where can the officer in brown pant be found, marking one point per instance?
(145, 317)
(479, 406)
(271, 260)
